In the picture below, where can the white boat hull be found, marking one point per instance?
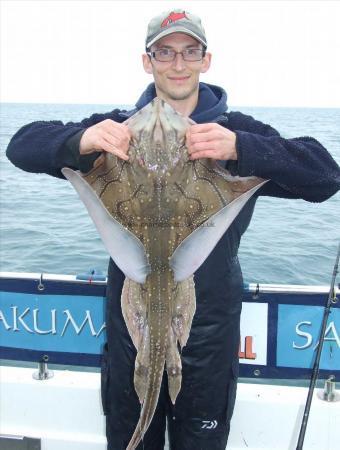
(65, 413)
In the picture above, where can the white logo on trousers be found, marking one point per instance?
(209, 424)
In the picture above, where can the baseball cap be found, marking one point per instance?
(175, 21)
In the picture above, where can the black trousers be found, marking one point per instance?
(200, 419)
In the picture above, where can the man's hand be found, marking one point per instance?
(211, 140)
(108, 136)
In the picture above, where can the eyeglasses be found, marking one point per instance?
(167, 54)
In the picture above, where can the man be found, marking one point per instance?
(176, 55)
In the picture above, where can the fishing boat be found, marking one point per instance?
(52, 332)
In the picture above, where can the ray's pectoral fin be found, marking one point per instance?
(134, 312)
(142, 365)
(125, 248)
(195, 248)
(184, 306)
(173, 366)
(183, 310)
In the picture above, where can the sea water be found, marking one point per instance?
(45, 228)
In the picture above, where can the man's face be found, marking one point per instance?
(178, 79)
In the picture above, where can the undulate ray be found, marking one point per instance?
(159, 215)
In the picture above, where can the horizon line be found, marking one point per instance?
(133, 106)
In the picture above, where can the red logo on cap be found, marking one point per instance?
(173, 17)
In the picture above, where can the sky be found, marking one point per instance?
(264, 53)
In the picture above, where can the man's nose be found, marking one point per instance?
(179, 61)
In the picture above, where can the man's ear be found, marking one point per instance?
(206, 62)
(147, 63)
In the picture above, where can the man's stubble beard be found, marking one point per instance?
(180, 95)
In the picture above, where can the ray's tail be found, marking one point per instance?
(154, 381)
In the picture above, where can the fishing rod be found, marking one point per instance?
(315, 373)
